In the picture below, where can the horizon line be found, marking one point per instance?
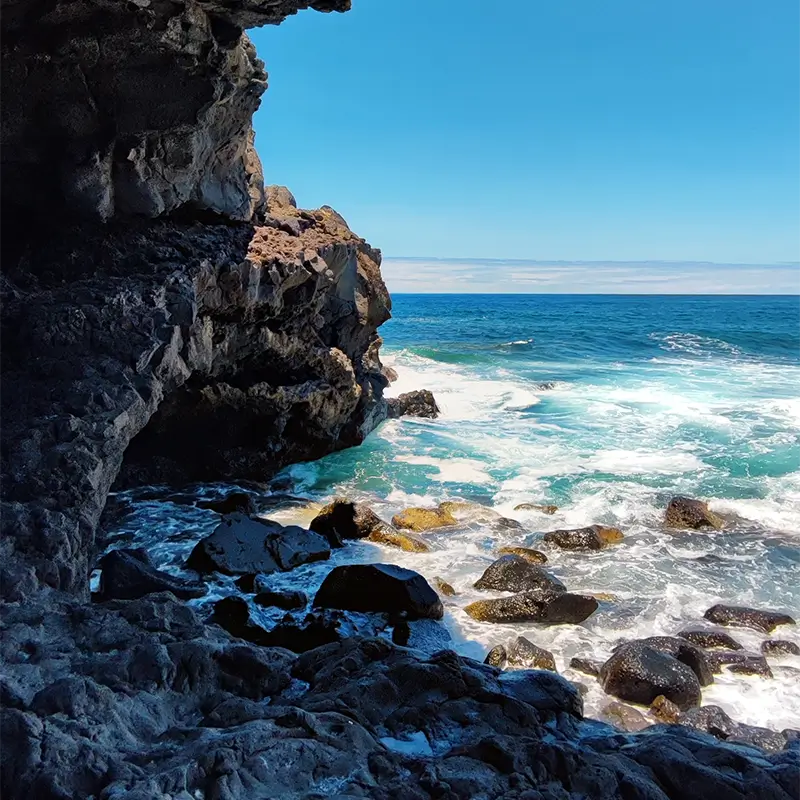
(582, 261)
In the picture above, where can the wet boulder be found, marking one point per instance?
(497, 657)
(524, 653)
(403, 540)
(380, 588)
(288, 601)
(316, 629)
(423, 519)
(664, 710)
(739, 661)
(624, 717)
(687, 653)
(343, 519)
(587, 666)
(419, 403)
(233, 614)
(710, 639)
(713, 720)
(129, 575)
(534, 507)
(528, 553)
(543, 606)
(232, 503)
(639, 674)
(443, 587)
(779, 647)
(593, 537)
(764, 620)
(242, 545)
(513, 573)
(686, 512)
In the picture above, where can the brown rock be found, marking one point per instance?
(710, 640)
(764, 620)
(624, 717)
(410, 542)
(685, 512)
(529, 554)
(524, 653)
(423, 519)
(443, 587)
(665, 710)
(779, 647)
(543, 607)
(344, 519)
(533, 507)
(595, 537)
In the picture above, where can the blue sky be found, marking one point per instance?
(566, 131)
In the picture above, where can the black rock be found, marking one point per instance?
(497, 656)
(232, 503)
(381, 588)
(524, 653)
(713, 720)
(246, 583)
(746, 663)
(343, 519)
(516, 574)
(242, 545)
(401, 633)
(314, 630)
(128, 575)
(686, 652)
(779, 647)
(686, 512)
(763, 620)
(594, 537)
(638, 673)
(288, 601)
(233, 614)
(419, 403)
(752, 665)
(710, 640)
(545, 606)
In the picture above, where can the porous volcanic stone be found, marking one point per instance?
(763, 620)
(513, 573)
(686, 512)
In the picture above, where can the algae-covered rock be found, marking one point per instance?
(686, 512)
(528, 553)
(545, 607)
(423, 519)
(410, 542)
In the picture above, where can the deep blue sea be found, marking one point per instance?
(605, 406)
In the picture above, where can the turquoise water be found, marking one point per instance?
(605, 406)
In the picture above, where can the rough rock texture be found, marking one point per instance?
(513, 573)
(419, 403)
(763, 620)
(529, 554)
(524, 653)
(343, 519)
(779, 647)
(595, 537)
(543, 606)
(710, 639)
(686, 512)
(423, 519)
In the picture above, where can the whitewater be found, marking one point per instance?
(606, 408)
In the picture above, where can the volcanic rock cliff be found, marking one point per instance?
(168, 319)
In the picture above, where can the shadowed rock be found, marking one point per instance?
(232, 503)
(713, 720)
(710, 640)
(343, 519)
(595, 537)
(586, 665)
(513, 573)
(524, 653)
(419, 403)
(686, 512)
(545, 607)
(743, 617)
(379, 587)
(528, 553)
(288, 601)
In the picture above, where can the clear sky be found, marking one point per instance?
(551, 130)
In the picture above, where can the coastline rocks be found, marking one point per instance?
(390, 373)
(692, 656)
(545, 607)
(664, 710)
(419, 403)
(241, 545)
(343, 519)
(587, 666)
(713, 720)
(524, 653)
(443, 587)
(381, 588)
(534, 507)
(594, 537)
(512, 573)
(742, 617)
(233, 614)
(497, 657)
(423, 519)
(624, 717)
(528, 553)
(755, 665)
(718, 659)
(129, 575)
(779, 647)
(710, 640)
(686, 512)
(232, 503)
(288, 601)
(404, 540)
(639, 674)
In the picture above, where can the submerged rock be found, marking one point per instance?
(243, 545)
(343, 519)
(379, 587)
(497, 656)
(545, 607)
(743, 617)
(129, 574)
(587, 666)
(423, 519)
(779, 647)
(513, 573)
(524, 653)
(419, 403)
(443, 587)
(528, 553)
(624, 717)
(639, 674)
(232, 503)
(404, 540)
(288, 601)
(594, 537)
(533, 507)
(709, 639)
(686, 512)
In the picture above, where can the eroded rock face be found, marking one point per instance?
(419, 403)
(129, 575)
(686, 512)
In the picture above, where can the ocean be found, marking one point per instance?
(605, 406)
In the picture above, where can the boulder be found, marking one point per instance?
(594, 537)
(751, 665)
(404, 540)
(232, 503)
(380, 588)
(639, 674)
(713, 720)
(443, 587)
(694, 657)
(497, 656)
(343, 519)
(288, 601)
(423, 519)
(685, 512)
(533, 507)
(242, 545)
(586, 665)
(544, 607)
(742, 617)
(233, 614)
(419, 403)
(709, 639)
(129, 574)
(779, 647)
(314, 630)
(515, 574)
(524, 653)
(528, 553)
(746, 663)
(624, 717)
(664, 710)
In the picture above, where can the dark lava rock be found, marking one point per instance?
(497, 656)
(524, 653)
(128, 575)
(752, 663)
(546, 607)
(687, 653)
(685, 512)
(528, 553)
(344, 519)
(232, 503)
(233, 614)
(380, 588)
(586, 665)
(242, 545)
(638, 673)
(624, 717)
(713, 720)
(516, 574)
(710, 640)
(247, 583)
(419, 403)
(743, 617)
(288, 601)
(779, 647)
(314, 630)
(595, 537)
(401, 633)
